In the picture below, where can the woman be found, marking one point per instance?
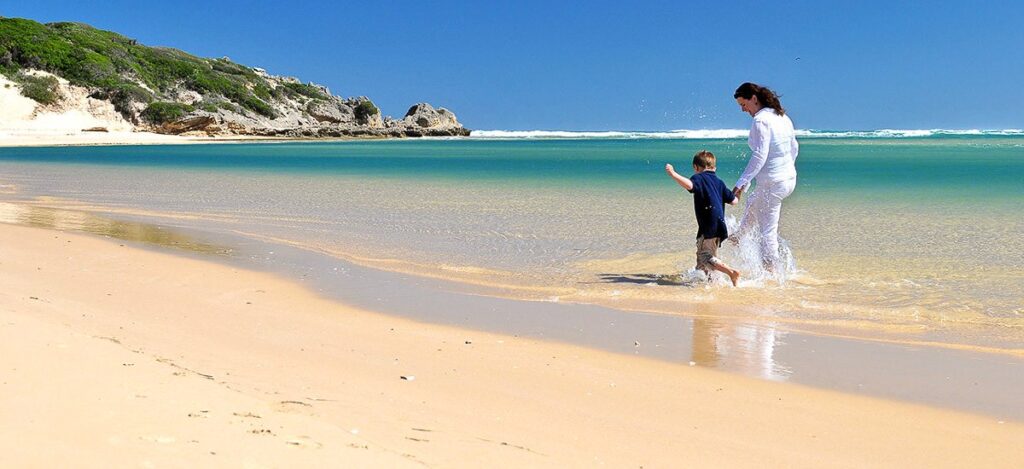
(773, 152)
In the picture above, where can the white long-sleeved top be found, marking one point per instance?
(773, 149)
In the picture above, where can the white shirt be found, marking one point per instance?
(773, 149)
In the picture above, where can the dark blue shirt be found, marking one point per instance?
(709, 198)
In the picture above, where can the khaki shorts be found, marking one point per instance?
(707, 249)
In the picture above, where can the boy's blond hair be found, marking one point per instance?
(704, 159)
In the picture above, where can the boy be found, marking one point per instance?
(709, 196)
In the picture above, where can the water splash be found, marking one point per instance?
(746, 256)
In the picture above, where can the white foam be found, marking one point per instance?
(611, 134)
(746, 257)
(696, 134)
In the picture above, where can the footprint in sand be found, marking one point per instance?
(293, 406)
(304, 442)
(164, 440)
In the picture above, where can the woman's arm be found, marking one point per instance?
(760, 141)
(681, 180)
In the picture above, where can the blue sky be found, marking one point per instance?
(602, 65)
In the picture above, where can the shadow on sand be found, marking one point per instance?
(645, 279)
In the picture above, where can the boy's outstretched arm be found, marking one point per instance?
(681, 180)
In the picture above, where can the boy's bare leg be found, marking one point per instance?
(733, 274)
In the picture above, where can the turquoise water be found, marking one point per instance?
(908, 165)
(910, 236)
(935, 172)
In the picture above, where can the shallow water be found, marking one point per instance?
(913, 239)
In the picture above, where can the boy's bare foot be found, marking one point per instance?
(735, 277)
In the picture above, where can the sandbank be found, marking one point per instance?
(114, 356)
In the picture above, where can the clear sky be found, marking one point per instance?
(603, 65)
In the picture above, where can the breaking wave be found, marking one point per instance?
(737, 133)
(611, 134)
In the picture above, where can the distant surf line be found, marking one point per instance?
(699, 134)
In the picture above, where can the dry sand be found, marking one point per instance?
(23, 122)
(119, 356)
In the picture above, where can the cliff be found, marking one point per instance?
(73, 67)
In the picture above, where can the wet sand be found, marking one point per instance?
(707, 335)
(113, 355)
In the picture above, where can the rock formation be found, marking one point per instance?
(169, 91)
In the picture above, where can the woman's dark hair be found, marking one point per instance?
(765, 96)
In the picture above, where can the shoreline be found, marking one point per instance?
(535, 294)
(967, 379)
(945, 377)
(597, 280)
(457, 280)
(134, 356)
(90, 139)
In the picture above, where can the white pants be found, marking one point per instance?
(761, 216)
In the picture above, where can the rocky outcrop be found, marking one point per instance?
(335, 118)
(334, 113)
(423, 116)
(322, 116)
(125, 85)
(201, 122)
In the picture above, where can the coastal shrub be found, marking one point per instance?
(278, 92)
(162, 112)
(261, 91)
(125, 96)
(204, 82)
(230, 106)
(113, 66)
(215, 106)
(34, 45)
(225, 65)
(253, 103)
(6, 59)
(365, 109)
(42, 89)
(307, 90)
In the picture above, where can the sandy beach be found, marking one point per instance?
(80, 120)
(239, 238)
(114, 355)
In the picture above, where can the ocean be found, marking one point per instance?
(910, 236)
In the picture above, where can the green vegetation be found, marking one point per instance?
(365, 109)
(118, 68)
(124, 96)
(255, 104)
(161, 112)
(43, 89)
(304, 89)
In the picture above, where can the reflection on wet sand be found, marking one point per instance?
(70, 220)
(738, 347)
